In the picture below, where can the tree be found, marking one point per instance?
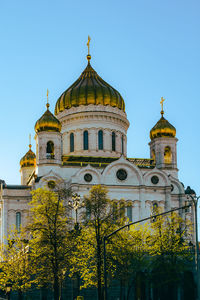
(50, 243)
(127, 257)
(158, 250)
(15, 269)
(99, 219)
(169, 251)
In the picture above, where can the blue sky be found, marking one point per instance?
(145, 49)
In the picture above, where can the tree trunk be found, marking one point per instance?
(44, 292)
(129, 289)
(56, 287)
(99, 261)
(20, 295)
(121, 290)
(99, 270)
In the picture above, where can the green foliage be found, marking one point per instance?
(127, 256)
(170, 234)
(15, 268)
(83, 259)
(99, 219)
(169, 249)
(159, 248)
(50, 243)
(127, 253)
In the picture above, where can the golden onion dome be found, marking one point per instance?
(88, 89)
(162, 129)
(29, 159)
(48, 122)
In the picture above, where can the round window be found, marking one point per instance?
(154, 179)
(121, 174)
(51, 184)
(88, 177)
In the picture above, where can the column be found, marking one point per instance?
(92, 139)
(142, 203)
(78, 140)
(168, 199)
(107, 140)
(118, 142)
(4, 219)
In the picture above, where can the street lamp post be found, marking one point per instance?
(75, 204)
(194, 199)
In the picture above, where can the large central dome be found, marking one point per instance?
(88, 89)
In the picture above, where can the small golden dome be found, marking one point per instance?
(29, 159)
(88, 89)
(48, 122)
(162, 129)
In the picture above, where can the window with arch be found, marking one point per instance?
(18, 221)
(71, 137)
(129, 212)
(50, 150)
(113, 141)
(85, 140)
(122, 142)
(88, 211)
(100, 139)
(155, 206)
(114, 210)
(122, 209)
(167, 155)
(154, 211)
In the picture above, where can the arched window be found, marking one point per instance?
(122, 209)
(114, 210)
(100, 139)
(122, 142)
(18, 221)
(88, 211)
(113, 141)
(71, 142)
(85, 140)
(155, 206)
(167, 155)
(130, 213)
(154, 211)
(50, 150)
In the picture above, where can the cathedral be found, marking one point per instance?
(84, 143)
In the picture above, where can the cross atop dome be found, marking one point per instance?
(47, 105)
(88, 45)
(162, 128)
(89, 89)
(30, 141)
(161, 102)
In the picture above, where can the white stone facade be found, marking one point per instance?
(139, 183)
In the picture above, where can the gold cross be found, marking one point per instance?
(161, 102)
(47, 95)
(30, 141)
(47, 105)
(88, 44)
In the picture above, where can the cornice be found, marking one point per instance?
(92, 115)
